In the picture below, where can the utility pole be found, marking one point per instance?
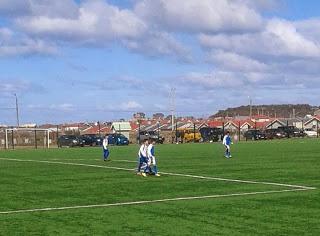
(17, 110)
(172, 96)
(250, 104)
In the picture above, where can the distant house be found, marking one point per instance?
(260, 118)
(215, 123)
(28, 126)
(274, 124)
(246, 125)
(296, 122)
(51, 127)
(231, 126)
(96, 129)
(122, 128)
(313, 123)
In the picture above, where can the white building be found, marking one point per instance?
(122, 128)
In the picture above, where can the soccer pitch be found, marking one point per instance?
(267, 188)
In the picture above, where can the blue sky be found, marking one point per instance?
(91, 60)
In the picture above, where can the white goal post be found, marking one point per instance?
(47, 132)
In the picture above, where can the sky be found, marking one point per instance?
(102, 60)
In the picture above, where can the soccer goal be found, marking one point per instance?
(27, 137)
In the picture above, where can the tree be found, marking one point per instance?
(158, 116)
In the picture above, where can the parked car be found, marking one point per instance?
(92, 139)
(254, 134)
(310, 132)
(68, 140)
(149, 134)
(275, 133)
(292, 131)
(211, 134)
(85, 140)
(117, 139)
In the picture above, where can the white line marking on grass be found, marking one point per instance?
(166, 173)
(149, 201)
(61, 159)
(68, 163)
(239, 181)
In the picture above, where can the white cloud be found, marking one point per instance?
(262, 4)
(66, 107)
(12, 8)
(214, 80)
(310, 28)
(99, 24)
(199, 16)
(5, 35)
(96, 21)
(159, 43)
(235, 62)
(53, 9)
(12, 44)
(130, 105)
(10, 86)
(279, 38)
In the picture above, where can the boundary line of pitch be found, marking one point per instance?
(295, 188)
(147, 201)
(164, 173)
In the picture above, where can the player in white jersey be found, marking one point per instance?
(105, 148)
(227, 142)
(143, 158)
(151, 158)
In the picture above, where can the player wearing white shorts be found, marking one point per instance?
(151, 158)
(227, 142)
(143, 158)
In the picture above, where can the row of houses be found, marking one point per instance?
(167, 128)
(165, 125)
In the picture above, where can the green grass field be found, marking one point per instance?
(185, 204)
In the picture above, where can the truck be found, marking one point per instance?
(143, 134)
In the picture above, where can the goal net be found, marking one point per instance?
(25, 137)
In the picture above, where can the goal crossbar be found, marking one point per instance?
(27, 129)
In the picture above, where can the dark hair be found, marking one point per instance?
(151, 140)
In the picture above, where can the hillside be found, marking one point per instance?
(283, 110)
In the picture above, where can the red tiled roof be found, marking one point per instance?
(95, 130)
(215, 123)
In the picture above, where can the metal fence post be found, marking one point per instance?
(194, 132)
(35, 139)
(176, 131)
(12, 138)
(139, 133)
(239, 132)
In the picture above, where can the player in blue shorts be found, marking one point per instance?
(105, 148)
(227, 142)
(151, 158)
(143, 158)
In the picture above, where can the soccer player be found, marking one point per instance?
(105, 148)
(143, 158)
(227, 142)
(152, 159)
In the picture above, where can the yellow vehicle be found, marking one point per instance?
(188, 135)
